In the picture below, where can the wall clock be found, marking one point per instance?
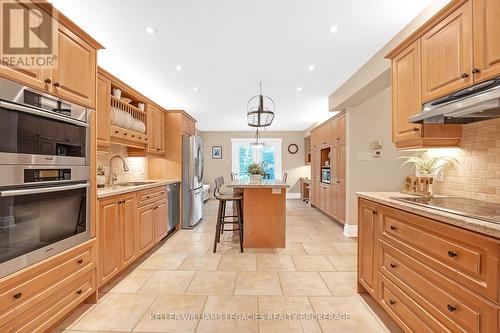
(293, 148)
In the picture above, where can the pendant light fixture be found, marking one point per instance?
(257, 143)
(260, 110)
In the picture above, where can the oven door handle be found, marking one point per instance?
(12, 193)
(45, 114)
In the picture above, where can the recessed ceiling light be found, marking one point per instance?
(195, 89)
(334, 29)
(311, 67)
(299, 89)
(150, 30)
(178, 67)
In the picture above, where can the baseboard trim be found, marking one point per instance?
(351, 230)
(293, 195)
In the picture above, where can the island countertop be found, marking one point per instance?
(265, 183)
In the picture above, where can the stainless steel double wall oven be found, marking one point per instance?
(44, 176)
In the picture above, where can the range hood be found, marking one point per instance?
(476, 103)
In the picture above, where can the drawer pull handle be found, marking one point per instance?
(79, 291)
(79, 261)
(48, 81)
(452, 254)
(393, 265)
(464, 75)
(18, 295)
(392, 302)
(451, 308)
(393, 227)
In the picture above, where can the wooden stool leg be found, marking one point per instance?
(223, 214)
(240, 224)
(217, 226)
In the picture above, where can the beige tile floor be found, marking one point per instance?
(314, 274)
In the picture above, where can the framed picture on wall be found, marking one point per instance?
(216, 152)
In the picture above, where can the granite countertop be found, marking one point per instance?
(264, 183)
(110, 191)
(480, 226)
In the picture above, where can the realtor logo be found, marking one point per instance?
(28, 35)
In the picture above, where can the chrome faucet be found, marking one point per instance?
(112, 176)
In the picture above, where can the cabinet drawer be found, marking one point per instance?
(41, 317)
(450, 303)
(151, 195)
(465, 256)
(406, 312)
(23, 291)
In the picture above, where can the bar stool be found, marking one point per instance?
(237, 200)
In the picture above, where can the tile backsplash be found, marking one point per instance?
(138, 166)
(477, 174)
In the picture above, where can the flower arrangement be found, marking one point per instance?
(428, 166)
(256, 168)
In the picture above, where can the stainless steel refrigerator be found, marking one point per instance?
(192, 181)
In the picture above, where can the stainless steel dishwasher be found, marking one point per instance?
(173, 191)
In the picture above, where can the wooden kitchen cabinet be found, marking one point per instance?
(161, 221)
(188, 126)
(368, 216)
(109, 239)
(156, 131)
(117, 235)
(129, 251)
(451, 286)
(447, 54)
(146, 233)
(103, 112)
(486, 21)
(74, 78)
(406, 93)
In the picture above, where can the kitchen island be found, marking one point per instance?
(264, 217)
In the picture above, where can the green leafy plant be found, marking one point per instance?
(256, 168)
(426, 165)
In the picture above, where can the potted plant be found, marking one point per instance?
(427, 168)
(256, 170)
(101, 179)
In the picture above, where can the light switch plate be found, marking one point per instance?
(276, 191)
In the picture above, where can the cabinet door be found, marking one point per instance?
(486, 22)
(447, 55)
(161, 221)
(129, 228)
(325, 197)
(109, 239)
(103, 112)
(341, 130)
(340, 164)
(37, 78)
(74, 78)
(340, 202)
(146, 231)
(367, 246)
(161, 132)
(406, 96)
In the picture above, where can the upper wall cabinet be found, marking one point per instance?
(156, 130)
(486, 21)
(406, 100)
(447, 55)
(103, 112)
(73, 77)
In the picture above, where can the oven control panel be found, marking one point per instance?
(46, 175)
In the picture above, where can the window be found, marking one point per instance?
(243, 154)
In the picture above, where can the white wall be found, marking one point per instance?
(371, 121)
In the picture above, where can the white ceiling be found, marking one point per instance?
(226, 46)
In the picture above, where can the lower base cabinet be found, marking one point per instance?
(428, 275)
(129, 225)
(36, 298)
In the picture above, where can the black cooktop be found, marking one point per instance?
(477, 209)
